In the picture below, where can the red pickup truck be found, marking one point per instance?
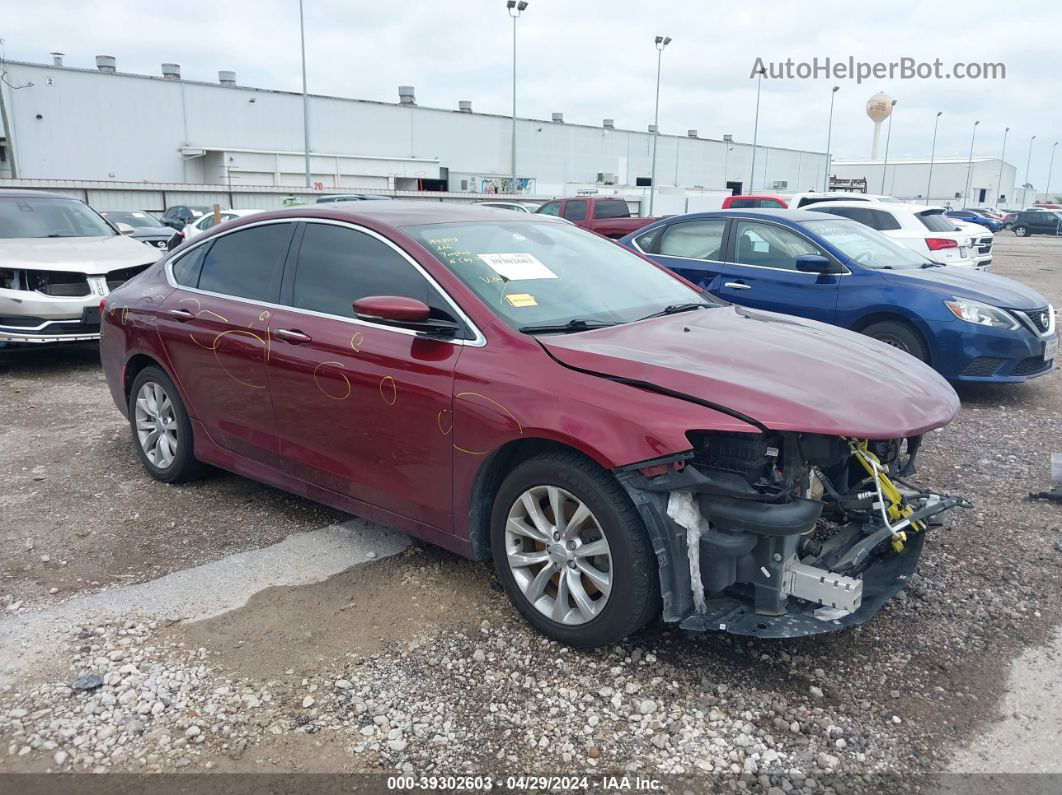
(608, 217)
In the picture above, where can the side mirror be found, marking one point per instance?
(402, 312)
(816, 263)
(173, 223)
(123, 229)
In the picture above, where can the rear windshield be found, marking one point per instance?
(936, 221)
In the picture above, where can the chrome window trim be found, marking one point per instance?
(478, 341)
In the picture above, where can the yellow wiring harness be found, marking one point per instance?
(896, 510)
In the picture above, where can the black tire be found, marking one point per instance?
(1021, 231)
(634, 596)
(1008, 227)
(899, 335)
(183, 466)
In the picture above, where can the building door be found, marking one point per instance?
(734, 188)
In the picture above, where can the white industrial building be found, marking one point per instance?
(75, 124)
(962, 182)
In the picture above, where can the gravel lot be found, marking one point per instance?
(416, 663)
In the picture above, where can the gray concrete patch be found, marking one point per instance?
(200, 592)
(1027, 740)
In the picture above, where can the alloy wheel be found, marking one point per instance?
(558, 555)
(156, 425)
(894, 342)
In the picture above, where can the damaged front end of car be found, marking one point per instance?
(783, 534)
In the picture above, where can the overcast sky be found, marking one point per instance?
(593, 59)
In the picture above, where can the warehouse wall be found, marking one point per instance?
(95, 125)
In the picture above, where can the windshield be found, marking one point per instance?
(865, 246)
(134, 218)
(33, 217)
(544, 274)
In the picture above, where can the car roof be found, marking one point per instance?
(15, 193)
(764, 213)
(876, 205)
(407, 213)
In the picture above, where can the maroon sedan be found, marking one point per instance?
(511, 387)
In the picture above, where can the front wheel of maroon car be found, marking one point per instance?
(161, 428)
(572, 551)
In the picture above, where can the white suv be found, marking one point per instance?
(926, 230)
(58, 257)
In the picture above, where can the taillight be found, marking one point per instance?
(937, 243)
(103, 305)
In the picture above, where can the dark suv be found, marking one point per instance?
(178, 215)
(1037, 222)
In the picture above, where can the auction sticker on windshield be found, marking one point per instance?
(515, 267)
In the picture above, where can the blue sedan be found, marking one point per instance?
(968, 325)
(975, 217)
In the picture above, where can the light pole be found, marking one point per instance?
(969, 166)
(888, 137)
(1050, 169)
(1027, 163)
(755, 129)
(661, 42)
(305, 105)
(727, 139)
(515, 7)
(829, 136)
(999, 182)
(932, 154)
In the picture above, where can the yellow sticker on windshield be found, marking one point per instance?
(521, 300)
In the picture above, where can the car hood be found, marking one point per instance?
(152, 233)
(91, 255)
(786, 373)
(952, 282)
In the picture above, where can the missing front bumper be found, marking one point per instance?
(881, 581)
(721, 569)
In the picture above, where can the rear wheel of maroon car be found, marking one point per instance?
(572, 552)
(161, 428)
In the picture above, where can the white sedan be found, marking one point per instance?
(926, 230)
(205, 222)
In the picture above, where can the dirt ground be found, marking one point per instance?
(79, 515)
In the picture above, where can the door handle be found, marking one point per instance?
(181, 315)
(737, 285)
(294, 336)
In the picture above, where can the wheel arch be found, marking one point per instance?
(137, 363)
(490, 475)
(866, 321)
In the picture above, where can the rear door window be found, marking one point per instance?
(186, 267)
(611, 208)
(694, 240)
(575, 210)
(248, 263)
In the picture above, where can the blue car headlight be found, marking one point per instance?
(981, 314)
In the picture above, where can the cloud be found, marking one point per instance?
(594, 59)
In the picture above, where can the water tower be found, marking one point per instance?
(879, 107)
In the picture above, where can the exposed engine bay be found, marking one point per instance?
(782, 534)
